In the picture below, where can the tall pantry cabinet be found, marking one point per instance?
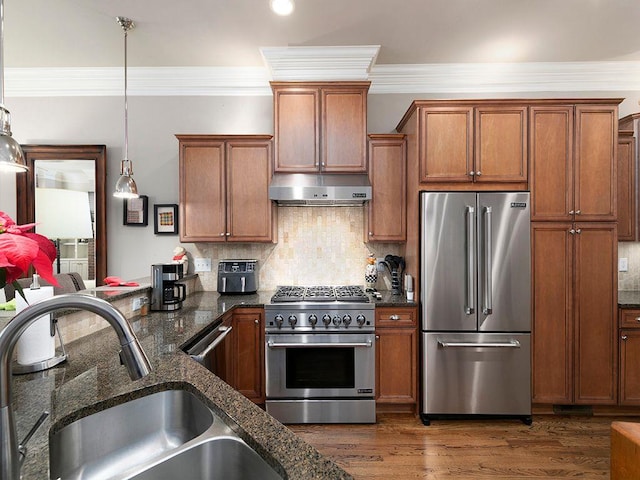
(574, 251)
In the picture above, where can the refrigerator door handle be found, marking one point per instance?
(509, 344)
(487, 308)
(469, 308)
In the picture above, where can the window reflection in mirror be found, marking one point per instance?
(63, 192)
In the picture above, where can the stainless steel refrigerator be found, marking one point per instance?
(476, 304)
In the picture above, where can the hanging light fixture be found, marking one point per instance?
(126, 185)
(11, 155)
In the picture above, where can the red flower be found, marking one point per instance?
(20, 250)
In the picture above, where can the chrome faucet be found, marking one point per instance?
(132, 356)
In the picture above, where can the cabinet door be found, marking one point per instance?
(501, 144)
(627, 190)
(446, 144)
(344, 129)
(629, 367)
(202, 191)
(250, 213)
(248, 336)
(596, 163)
(297, 128)
(386, 218)
(596, 248)
(396, 366)
(552, 328)
(551, 160)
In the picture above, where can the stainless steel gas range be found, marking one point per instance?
(320, 355)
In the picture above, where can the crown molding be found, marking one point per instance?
(320, 63)
(385, 79)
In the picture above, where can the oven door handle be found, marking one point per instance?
(367, 344)
(201, 355)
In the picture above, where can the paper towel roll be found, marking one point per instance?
(36, 343)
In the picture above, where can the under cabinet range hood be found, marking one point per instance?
(319, 189)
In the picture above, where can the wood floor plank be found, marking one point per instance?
(400, 447)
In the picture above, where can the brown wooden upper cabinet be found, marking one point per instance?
(219, 201)
(573, 161)
(320, 126)
(386, 213)
(629, 129)
(462, 142)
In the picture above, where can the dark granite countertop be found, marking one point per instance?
(629, 299)
(93, 379)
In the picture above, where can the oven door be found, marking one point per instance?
(321, 365)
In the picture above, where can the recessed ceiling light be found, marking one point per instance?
(282, 7)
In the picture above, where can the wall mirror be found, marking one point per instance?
(64, 191)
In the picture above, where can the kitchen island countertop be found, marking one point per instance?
(93, 379)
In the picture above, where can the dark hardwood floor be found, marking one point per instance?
(400, 447)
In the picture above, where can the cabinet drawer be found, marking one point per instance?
(629, 318)
(395, 317)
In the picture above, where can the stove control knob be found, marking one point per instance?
(313, 320)
(346, 320)
(279, 319)
(360, 319)
(293, 320)
(326, 319)
(337, 320)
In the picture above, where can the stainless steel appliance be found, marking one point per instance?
(320, 189)
(476, 304)
(320, 355)
(237, 276)
(166, 292)
(212, 349)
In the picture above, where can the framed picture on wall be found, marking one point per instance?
(135, 211)
(166, 219)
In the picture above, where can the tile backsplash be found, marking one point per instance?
(316, 246)
(629, 280)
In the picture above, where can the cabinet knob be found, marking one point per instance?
(228, 234)
(394, 317)
(578, 212)
(637, 319)
(472, 173)
(624, 337)
(478, 173)
(371, 234)
(222, 234)
(572, 231)
(377, 337)
(256, 321)
(578, 231)
(571, 212)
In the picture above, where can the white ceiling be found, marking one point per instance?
(229, 33)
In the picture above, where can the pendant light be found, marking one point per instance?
(126, 185)
(11, 155)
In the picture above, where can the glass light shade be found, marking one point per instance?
(282, 7)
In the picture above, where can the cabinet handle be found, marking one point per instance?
(624, 337)
(394, 317)
(472, 173)
(478, 173)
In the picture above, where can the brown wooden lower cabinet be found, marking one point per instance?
(574, 313)
(396, 359)
(629, 343)
(248, 351)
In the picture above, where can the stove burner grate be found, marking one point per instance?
(320, 293)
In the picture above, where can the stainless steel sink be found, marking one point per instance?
(110, 443)
(225, 458)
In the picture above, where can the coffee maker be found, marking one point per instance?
(166, 293)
